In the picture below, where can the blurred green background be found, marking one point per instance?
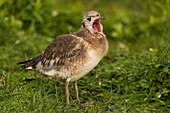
(133, 77)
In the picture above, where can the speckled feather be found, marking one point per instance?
(70, 56)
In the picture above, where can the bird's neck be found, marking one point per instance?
(94, 39)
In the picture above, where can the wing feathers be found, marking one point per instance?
(61, 53)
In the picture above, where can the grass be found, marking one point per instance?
(133, 77)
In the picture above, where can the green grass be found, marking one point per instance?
(131, 78)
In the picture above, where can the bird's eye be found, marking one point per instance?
(89, 18)
(97, 15)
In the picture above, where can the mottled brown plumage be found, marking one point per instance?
(71, 56)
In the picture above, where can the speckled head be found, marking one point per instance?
(91, 21)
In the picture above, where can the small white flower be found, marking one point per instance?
(54, 13)
(159, 96)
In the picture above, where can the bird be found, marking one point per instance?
(71, 56)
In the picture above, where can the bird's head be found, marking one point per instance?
(91, 21)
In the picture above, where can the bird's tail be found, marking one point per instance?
(30, 64)
(24, 64)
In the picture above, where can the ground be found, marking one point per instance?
(133, 77)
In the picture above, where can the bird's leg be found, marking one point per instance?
(67, 92)
(77, 96)
(76, 91)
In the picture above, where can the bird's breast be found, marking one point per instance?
(92, 60)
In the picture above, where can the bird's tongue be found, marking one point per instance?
(97, 26)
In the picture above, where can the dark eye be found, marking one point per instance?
(97, 15)
(89, 18)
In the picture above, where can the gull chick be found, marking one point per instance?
(71, 56)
